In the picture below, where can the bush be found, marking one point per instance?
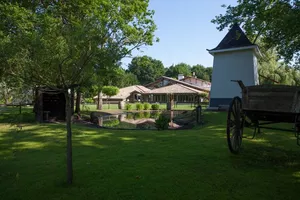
(139, 106)
(129, 116)
(139, 115)
(162, 123)
(128, 107)
(155, 106)
(147, 114)
(111, 123)
(155, 114)
(147, 106)
(88, 100)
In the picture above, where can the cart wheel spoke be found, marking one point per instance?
(235, 121)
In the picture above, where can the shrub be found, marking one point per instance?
(155, 106)
(155, 114)
(111, 123)
(128, 107)
(147, 114)
(162, 123)
(88, 100)
(139, 115)
(147, 106)
(129, 116)
(139, 106)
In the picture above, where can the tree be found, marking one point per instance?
(110, 91)
(106, 74)
(129, 79)
(181, 68)
(275, 22)
(201, 72)
(56, 44)
(146, 69)
(273, 72)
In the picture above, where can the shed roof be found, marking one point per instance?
(174, 89)
(235, 38)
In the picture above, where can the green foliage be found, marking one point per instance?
(139, 115)
(155, 106)
(128, 106)
(73, 43)
(88, 100)
(62, 44)
(146, 69)
(111, 123)
(110, 90)
(147, 114)
(155, 114)
(204, 96)
(139, 106)
(129, 115)
(147, 106)
(162, 122)
(128, 79)
(181, 68)
(272, 71)
(274, 22)
(202, 72)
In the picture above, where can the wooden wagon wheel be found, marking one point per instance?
(235, 125)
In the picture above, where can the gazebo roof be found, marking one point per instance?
(174, 89)
(235, 38)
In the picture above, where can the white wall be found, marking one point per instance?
(234, 65)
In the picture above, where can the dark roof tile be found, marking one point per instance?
(234, 38)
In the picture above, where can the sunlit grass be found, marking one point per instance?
(114, 164)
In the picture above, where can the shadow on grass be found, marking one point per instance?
(112, 164)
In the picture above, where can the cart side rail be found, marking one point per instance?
(272, 98)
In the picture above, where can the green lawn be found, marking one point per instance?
(111, 164)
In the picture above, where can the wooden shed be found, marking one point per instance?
(50, 104)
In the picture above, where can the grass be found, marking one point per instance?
(111, 164)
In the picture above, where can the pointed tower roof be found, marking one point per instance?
(234, 39)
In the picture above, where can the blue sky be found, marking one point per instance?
(185, 31)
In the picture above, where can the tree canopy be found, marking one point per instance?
(146, 69)
(110, 90)
(202, 72)
(275, 22)
(181, 68)
(61, 44)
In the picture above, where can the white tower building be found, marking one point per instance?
(234, 59)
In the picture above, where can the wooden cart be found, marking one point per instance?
(261, 105)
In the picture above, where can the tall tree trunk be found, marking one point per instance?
(78, 100)
(100, 101)
(69, 139)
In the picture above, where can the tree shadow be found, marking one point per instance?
(136, 164)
